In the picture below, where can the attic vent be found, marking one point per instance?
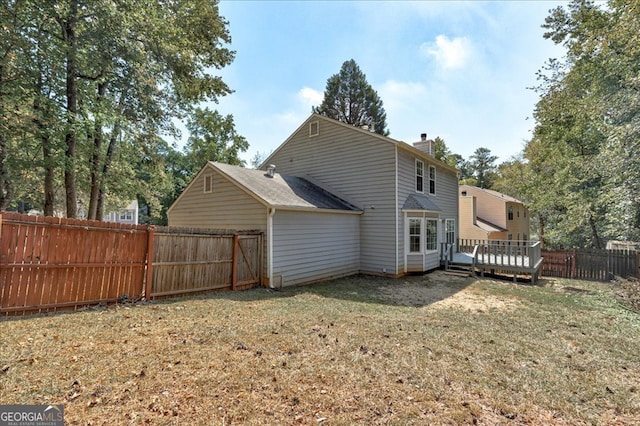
(314, 128)
(271, 170)
(208, 183)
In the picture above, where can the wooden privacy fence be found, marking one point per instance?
(49, 263)
(591, 264)
(197, 260)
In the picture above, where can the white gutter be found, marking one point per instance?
(270, 213)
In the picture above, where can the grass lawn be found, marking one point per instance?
(430, 349)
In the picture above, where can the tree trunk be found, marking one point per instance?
(595, 238)
(47, 158)
(541, 225)
(69, 35)
(113, 140)
(95, 160)
(49, 190)
(6, 186)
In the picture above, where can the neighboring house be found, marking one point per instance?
(491, 215)
(128, 214)
(344, 200)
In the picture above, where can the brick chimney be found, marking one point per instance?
(426, 145)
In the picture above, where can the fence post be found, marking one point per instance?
(149, 278)
(234, 261)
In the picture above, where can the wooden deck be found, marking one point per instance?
(513, 257)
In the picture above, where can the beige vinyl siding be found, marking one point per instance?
(226, 207)
(310, 247)
(490, 208)
(494, 209)
(356, 165)
(466, 228)
(446, 198)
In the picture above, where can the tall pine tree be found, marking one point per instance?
(350, 99)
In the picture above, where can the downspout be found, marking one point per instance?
(271, 212)
(397, 212)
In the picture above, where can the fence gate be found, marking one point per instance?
(187, 260)
(246, 271)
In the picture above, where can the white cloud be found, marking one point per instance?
(449, 53)
(310, 97)
(398, 96)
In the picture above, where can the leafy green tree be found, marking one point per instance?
(587, 126)
(213, 138)
(97, 83)
(349, 98)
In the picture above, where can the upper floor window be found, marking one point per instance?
(510, 213)
(419, 176)
(432, 180)
(126, 215)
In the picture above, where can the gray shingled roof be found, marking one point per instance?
(488, 226)
(420, 202)
(500, 195)
(283, 191)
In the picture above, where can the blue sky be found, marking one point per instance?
(458, 70)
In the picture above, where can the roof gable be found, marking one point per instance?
(375, 137)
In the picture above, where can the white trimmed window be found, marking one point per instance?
(431, 241)
(432, 180)
(126, 215)
(419, 176)
(415, 234)
(208, 183)
(450, 231)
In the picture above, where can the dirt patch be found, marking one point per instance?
(440, 290)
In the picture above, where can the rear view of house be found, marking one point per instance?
(333, 200)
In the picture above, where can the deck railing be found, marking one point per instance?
(523, 254)
(446, 254)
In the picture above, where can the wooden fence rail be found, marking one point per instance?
(49, 263)
(591, 264)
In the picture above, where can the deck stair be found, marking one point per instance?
(458, 265)
(459, 271)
